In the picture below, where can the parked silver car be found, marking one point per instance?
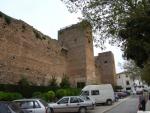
(10, 107)
(72, 104)
(33, 105)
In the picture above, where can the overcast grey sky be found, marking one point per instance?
(48, 16)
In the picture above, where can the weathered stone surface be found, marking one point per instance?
(80, 57)
(106, 67)
(26, 52)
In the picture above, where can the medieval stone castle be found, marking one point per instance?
(25, 51)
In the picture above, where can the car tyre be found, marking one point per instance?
(52, 111)
(82, 110)
(109, 102)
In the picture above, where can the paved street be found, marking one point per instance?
(128, 105)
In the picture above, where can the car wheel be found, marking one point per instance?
(82, 110)
(109, 102)
(52, 111)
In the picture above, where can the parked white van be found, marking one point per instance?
(103, 93)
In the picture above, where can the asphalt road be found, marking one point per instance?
(128, 106)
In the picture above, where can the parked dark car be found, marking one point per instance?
(121, 94)
(10, 107)
(116, 97)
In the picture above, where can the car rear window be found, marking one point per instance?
(26, 104)
(43, 102)
(14, 107)
(7, 106)
(4, 108)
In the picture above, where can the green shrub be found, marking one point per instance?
(23, 81)
(60, 93)
(44, 96)
(26, 91)
(6, 96)
(73, 91)
(51, 95)
(53, 82)
(69, 92)
(77, 91)
(37, 95)
(2, 95)
(16, 96)
(65, 82)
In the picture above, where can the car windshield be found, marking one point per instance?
(85, 93)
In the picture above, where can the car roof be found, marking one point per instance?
(71, 96)
(6, 102)
(94, 87)
(33, 99)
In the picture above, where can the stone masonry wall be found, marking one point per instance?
(78, 40)
(25, 51)
(106, 66)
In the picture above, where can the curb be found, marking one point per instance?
(115, 105)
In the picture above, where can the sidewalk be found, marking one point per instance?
(115, 104)
(148, 106)
(103, 109)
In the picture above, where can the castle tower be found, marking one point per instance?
(78, 40)
(106, 67)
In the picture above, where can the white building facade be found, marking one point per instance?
(125, 81)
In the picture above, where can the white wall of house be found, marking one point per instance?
(125, 81)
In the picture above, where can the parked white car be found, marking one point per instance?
(33, 105)
(103, 93)
(72, 104)
(10, 107)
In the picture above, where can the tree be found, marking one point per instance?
(136, 72)
(136, 35)
(23, 81)
(53, 81)
(146, 73)
(65, 82)
(125, 22)
(132, 69)
(50, 95)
